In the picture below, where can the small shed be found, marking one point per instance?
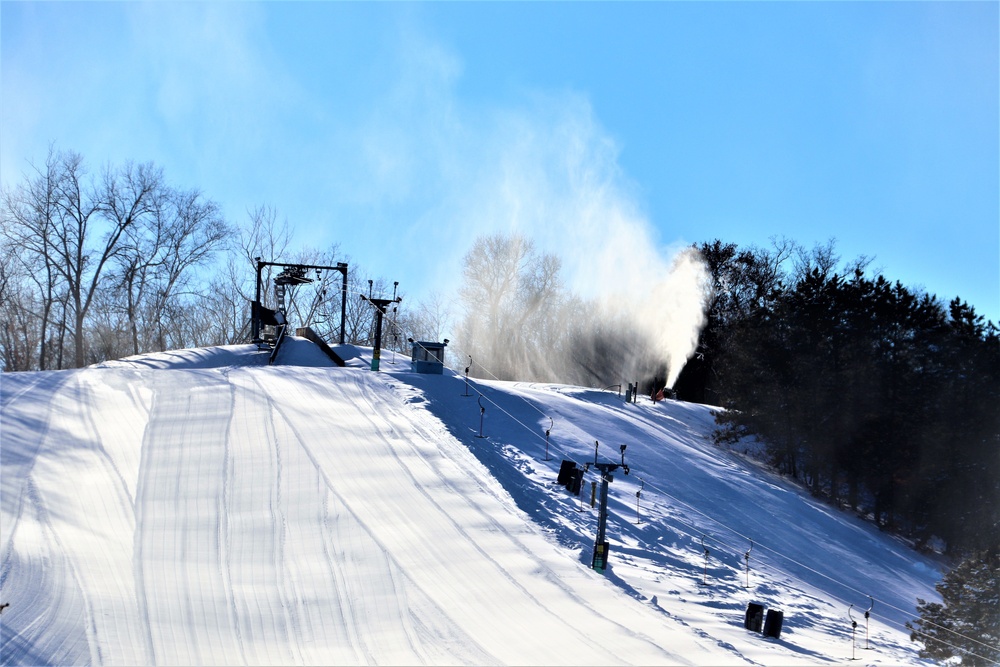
(428, 357)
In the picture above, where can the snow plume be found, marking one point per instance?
(546, 171)
(664, 316)
(634, 308)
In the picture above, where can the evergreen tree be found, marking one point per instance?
(967, 625)
(865, 390)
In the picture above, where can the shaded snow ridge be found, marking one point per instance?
(201, 507)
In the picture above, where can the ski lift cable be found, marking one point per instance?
(481, 394)
(531, 430)
(494, 403)
(572, 456)
(494, 377)
(763, 547)
(715, 520)
(960, 650)
(697, 533)
(757, 544)
(733, 530)
(827, 577)
(524, 400)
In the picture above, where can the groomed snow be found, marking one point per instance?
(201, 507)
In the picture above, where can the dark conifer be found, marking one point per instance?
(967, 624)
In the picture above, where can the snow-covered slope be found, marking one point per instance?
(200, 507)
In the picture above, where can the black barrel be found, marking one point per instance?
(772, 624)
(564, 472)
(754, 617)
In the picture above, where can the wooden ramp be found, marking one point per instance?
(309, 334)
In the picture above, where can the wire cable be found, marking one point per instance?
(759, 545)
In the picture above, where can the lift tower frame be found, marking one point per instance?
(601, 545)
(255, 314)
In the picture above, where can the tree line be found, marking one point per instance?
(98, 265)
(878, 397)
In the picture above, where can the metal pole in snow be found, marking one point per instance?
(551, 424)
(704, 579)
(868, 613)
(342, 267)
(638, 494)
(255, 315)
(854, 627)
(467, 376)
(482, 412)
(746, 557)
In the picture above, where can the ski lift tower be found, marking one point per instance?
(380, 306)
(601, 545)
(291, 275)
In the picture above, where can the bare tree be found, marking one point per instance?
(30, 218)
(509, 290)
(430, 319)
(231, 291)
(158, 257)
(115, 204)
(266, 238)
(19, 325)
(124, 244)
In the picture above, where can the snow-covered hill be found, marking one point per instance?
(201, 507)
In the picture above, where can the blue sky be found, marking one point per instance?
(403, 131)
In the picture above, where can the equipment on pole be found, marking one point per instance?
(746, 557)
(547, 431)
(854, 627)
(704, 576)
(482, 412)
(868, 613)
(638, 494)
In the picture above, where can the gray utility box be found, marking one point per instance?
(428, 357)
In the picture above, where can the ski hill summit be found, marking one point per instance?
(205, 507)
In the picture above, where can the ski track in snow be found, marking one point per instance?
(199, 507)
(359, 547)
(598, 628)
